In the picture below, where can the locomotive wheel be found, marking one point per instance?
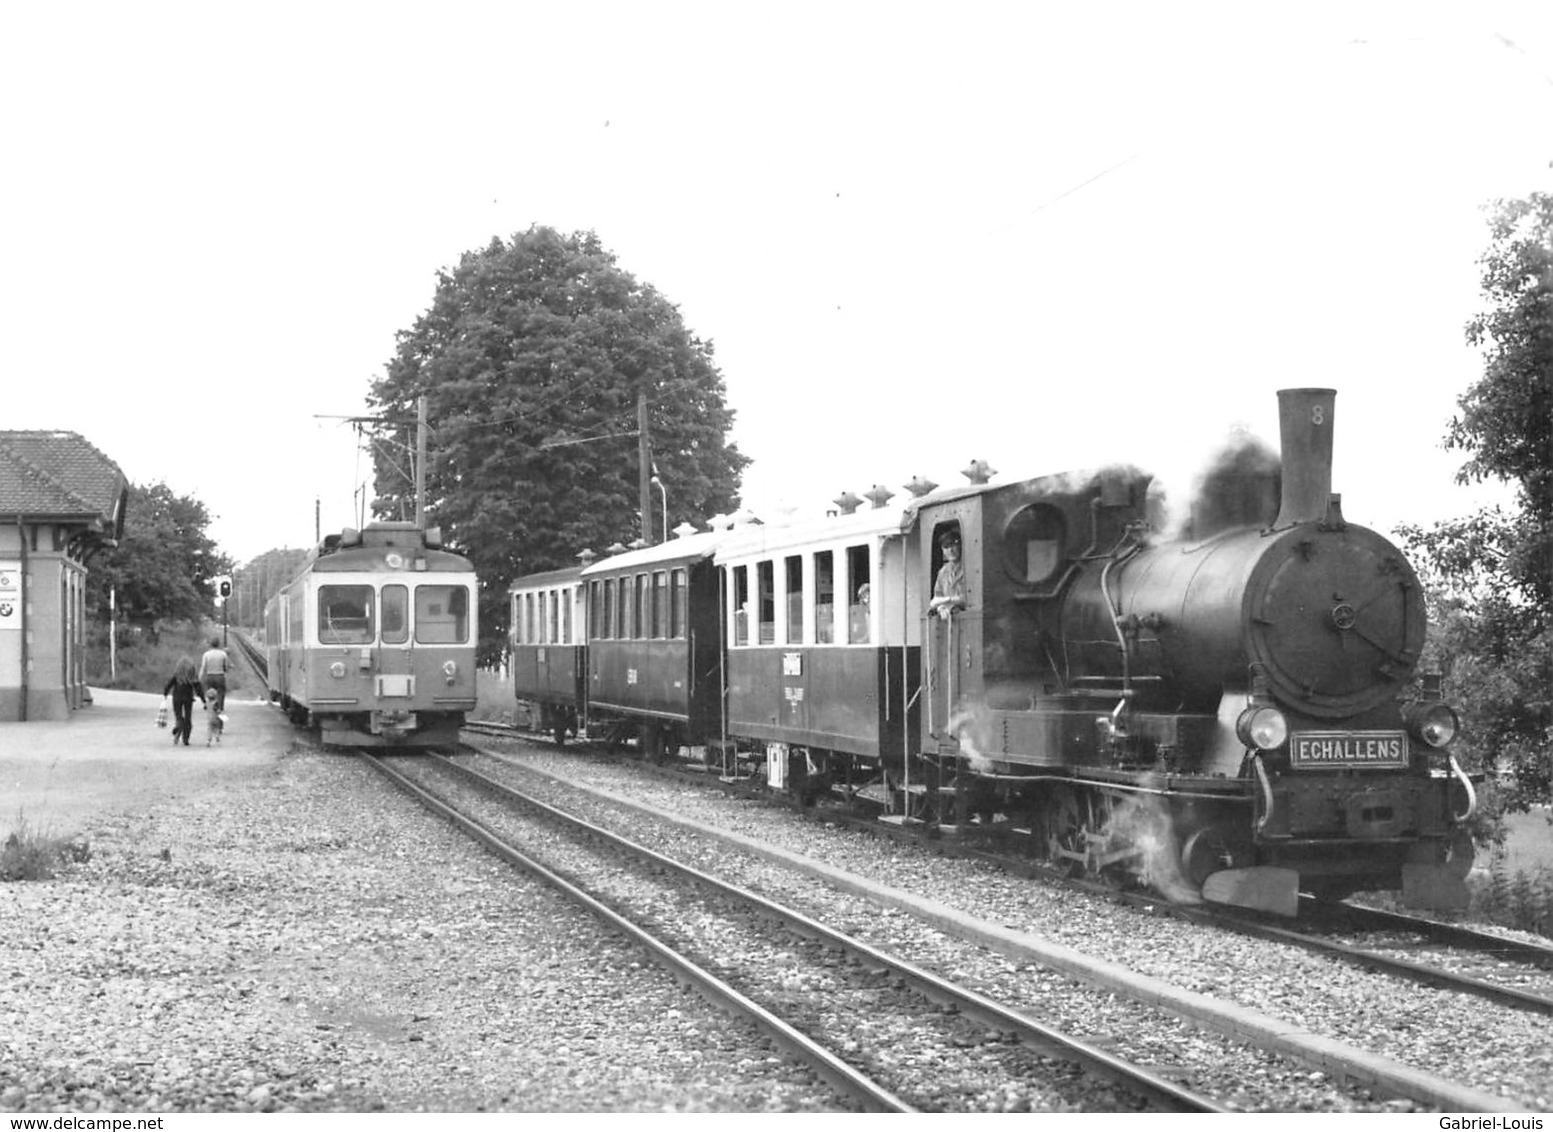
(1210, 849)
(1064, 829)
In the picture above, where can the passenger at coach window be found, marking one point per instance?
(949, 586)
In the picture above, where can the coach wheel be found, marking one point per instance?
(559, 730)
(654, 743)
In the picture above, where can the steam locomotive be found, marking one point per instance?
(373, 642)
(1228, 711)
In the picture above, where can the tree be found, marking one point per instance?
(1491, 574)
(162, 567)
(531, 358)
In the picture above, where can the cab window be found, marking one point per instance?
(345, 615)
(396, 615)
(441, 615)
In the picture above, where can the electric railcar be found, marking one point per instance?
(1229, 712)
(373, 642)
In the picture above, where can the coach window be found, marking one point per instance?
(859, 594)
(441, 615)
(623, 609)
(554, 624)
(345, 615)
(396, 615)
(544, 617)
(792, 569)
(824, 598)
(660, 605)
(741, 605)
(677, 605)
(604, 605)
(568, 599)
(765, 579)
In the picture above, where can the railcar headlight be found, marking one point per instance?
(450, 670)
(337, 670)
(1262, 727)
(1432, 723)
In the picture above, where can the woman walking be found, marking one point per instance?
(183, 687)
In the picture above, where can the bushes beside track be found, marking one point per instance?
(146, 657)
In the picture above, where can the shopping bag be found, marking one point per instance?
(161, 714)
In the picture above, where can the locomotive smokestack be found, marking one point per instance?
(1305, 425)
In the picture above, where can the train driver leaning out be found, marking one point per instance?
(949, 586)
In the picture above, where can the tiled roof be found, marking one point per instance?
(58, 473)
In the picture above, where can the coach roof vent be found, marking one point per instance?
(616, 547)
(919, 486)
(878, 495)
(848, 502)
(586, 557)
(978, 472)
(684, 530)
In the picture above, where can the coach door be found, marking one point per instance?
(944, 630)
(395, 661)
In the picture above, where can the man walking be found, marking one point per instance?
(212, 674)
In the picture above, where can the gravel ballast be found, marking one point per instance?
(299, 936)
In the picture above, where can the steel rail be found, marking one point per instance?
(1456, 935)
(827, 1064)
(937, 989)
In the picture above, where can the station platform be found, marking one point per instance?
(62, 776)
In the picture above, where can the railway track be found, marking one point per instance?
(1448, 956)
(742, 950)
(1363, 1069)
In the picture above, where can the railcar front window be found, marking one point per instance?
(396, 615)
(345, 615)
(441, 615)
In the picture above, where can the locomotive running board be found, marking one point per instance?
(1265, 888)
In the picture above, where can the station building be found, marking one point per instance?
(61, 501)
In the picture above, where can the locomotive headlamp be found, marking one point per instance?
(1262, 727)
(1433, 724)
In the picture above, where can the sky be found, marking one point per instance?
(1052, 236)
